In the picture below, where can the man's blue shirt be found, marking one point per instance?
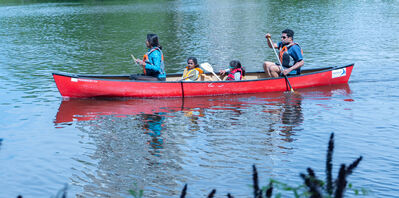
(294, 51)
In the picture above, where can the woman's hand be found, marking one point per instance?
(222, 72)
(140, 62)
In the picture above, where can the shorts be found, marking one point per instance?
(293, 72)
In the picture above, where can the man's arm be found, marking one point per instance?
(268, 38)
(294, 67)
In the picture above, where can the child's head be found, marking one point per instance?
(234, 64)
(192, 62)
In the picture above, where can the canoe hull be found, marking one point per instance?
(79, 86)
(76, 87)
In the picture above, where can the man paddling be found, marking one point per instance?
(290, 56)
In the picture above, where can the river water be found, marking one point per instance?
(103, 148)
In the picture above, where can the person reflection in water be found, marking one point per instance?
(288, 113)
(194, 114)
(153, 125)
(291, 116)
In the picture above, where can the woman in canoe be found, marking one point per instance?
(192, 72)
(153, 63)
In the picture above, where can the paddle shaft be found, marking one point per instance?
(281, 66)
(216, 76)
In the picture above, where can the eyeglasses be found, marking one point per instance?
(283, 37)
(190, 63)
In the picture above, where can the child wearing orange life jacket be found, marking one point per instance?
(192, 72)
(235, 72)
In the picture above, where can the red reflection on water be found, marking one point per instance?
(89, 109)
(349, 100)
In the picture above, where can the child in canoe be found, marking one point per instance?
(234, 72)
(192, 72)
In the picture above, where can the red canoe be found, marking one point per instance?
(85, 86)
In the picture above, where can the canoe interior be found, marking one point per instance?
(204, 77)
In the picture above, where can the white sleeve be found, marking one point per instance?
(237, 76)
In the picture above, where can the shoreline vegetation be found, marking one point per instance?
(312, 186)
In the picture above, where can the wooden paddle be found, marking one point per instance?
(207, 67)
(281, 67)
(135, 59)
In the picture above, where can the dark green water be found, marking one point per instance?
(102, 148)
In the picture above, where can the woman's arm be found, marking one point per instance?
(154, 61)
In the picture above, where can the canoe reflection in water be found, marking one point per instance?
(283, 109)
(150, 141)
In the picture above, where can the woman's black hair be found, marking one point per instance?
(194, 60)
(153, 40)
(234, 64)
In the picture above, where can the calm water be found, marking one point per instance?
(103, 148)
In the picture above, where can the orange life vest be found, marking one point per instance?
(284, 49)
(187, 72)
(145, 58)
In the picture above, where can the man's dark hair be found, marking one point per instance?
(289, 33)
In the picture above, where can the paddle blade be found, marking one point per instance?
(134, 58)
(207, 67)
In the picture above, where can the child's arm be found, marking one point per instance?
(224, 71)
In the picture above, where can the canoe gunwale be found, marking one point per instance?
(89, 86)
(106, 77)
